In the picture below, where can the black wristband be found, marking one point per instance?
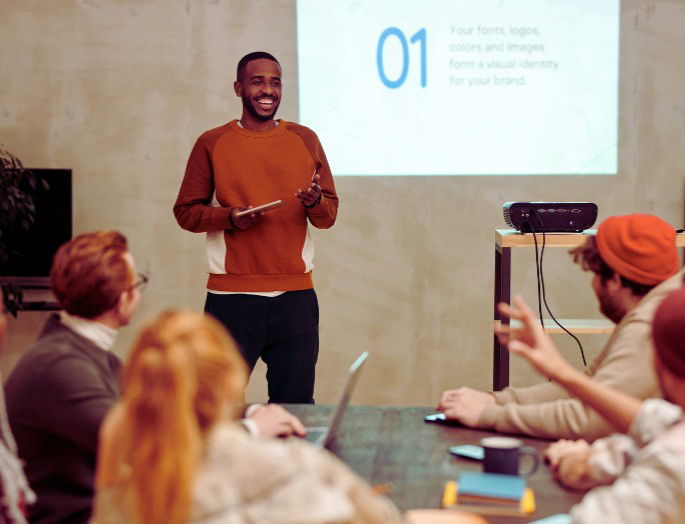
(316, 202)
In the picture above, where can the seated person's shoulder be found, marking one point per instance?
(49, 368)
(646, 307)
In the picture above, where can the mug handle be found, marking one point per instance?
(533, 454)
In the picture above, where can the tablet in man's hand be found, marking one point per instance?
(262, 208)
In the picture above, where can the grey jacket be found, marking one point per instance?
(57, 396)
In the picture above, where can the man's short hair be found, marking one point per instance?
(255, 55)
(89, 273)
(589, 258)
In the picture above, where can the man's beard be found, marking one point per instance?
(611, 310)
(248, 104)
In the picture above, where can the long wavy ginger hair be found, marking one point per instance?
(184, 373)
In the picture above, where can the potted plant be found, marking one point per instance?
(17, 213)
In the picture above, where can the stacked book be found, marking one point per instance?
(489, 494)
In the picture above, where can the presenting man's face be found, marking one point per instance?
(260, 88)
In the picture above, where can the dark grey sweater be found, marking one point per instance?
(57, 396)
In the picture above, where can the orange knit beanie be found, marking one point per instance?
(638, 247)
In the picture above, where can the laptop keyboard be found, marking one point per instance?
(313, 435)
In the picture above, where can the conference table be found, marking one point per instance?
(393, 446)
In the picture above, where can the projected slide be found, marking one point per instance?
(461, 87)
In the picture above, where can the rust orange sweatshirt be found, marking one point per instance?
(230, 166)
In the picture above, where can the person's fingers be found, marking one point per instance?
(446, 395)
(447, 404)
(298, 427)
(504, 309)
(519, 348)
(510, 311)
(503, 328)
(549, 452)
(452, 414)
(526, 314)
(502, 333)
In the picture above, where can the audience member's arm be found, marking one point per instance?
(532, 343)
(536, 394)
(568, 461)
(625, 365)
(643, 493)
(565, 418)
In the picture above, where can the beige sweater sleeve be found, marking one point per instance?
(544, 411)
(543, 392)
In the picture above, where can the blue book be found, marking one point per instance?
(493, 486)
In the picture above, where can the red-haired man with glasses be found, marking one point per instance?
(61, 389)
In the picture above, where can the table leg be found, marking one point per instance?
(500, 362)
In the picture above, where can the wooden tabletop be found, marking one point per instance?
(393, 445)
(513, 238)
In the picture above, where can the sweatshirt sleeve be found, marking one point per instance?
(323, 214)
(624, 364)
(649, 491)
(543, 392)
(193, 208)
(611, 456)
(654, 418)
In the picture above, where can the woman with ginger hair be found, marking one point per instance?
(170, 453)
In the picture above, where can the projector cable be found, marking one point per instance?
(541, 284)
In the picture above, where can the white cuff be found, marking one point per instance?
(251, 409)
(251, 426)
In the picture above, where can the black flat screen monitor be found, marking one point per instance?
(32, 251)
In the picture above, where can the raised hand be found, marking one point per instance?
(530, 341)
(312, 194)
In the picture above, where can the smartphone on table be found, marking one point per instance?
(468, 451)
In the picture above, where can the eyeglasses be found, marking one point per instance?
(142, 280)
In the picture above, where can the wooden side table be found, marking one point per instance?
(505, 240)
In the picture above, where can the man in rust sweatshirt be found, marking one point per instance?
(260, 264)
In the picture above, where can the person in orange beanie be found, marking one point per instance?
(634, 261)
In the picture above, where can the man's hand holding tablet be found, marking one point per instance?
(260, 209)
(242, 218)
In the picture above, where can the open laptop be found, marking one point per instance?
(323, 436)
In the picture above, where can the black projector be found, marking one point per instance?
(565, 217)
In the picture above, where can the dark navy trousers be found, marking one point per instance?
(282, 330)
